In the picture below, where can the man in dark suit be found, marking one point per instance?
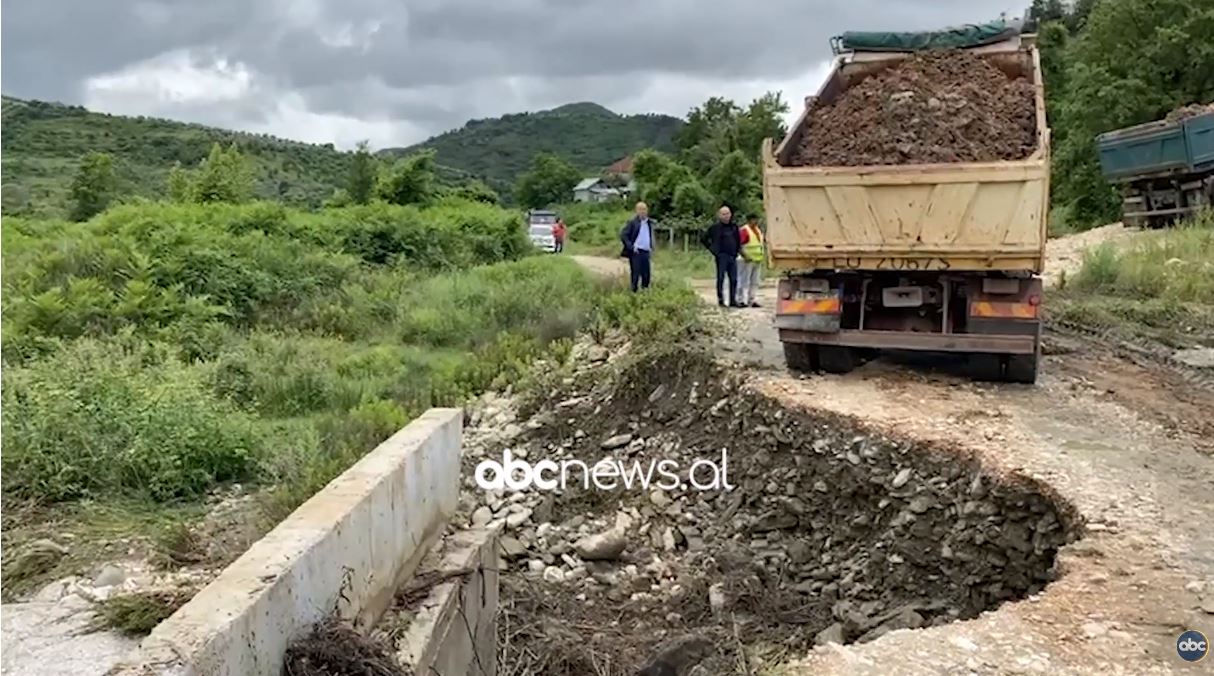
(637, 238)
(724, 240)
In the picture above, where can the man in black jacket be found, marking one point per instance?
(638, 241)
(725, 241)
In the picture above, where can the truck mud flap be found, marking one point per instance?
(798, 309)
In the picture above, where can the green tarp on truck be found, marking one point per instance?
(968, 35)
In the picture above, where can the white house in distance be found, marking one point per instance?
(598, 190)
(594, 190)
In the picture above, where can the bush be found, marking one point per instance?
(171, 271)
(97, 421)
(469, 310)
(1175, 265)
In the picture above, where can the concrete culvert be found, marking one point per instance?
(832, 533)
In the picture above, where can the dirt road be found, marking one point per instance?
(1128, 445)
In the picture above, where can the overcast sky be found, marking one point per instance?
(398, 71)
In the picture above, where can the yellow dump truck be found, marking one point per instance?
(931, 257)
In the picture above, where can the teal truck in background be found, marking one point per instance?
(1165, 168)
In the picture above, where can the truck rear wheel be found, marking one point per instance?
(986, 367)
(801, 357)
(835, 359)
(1022, 368)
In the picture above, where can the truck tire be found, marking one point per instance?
(986, 367)
(834, 359)
(800, 357)
(1022, 368)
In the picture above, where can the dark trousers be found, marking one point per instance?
(560, 246)
(639, 269)
(727, 266)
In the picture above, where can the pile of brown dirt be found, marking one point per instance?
(934, 107)
(1191, 110)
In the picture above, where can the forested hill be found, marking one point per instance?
(587, 135)
(43, 144)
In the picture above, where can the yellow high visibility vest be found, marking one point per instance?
(752, 250)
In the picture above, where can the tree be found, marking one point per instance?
(360, 185)
(735, 182)
(409, 181)
(478, 191)
(180, 185)
(549, 181)
(763, 119)
(705, 122)
(93, 187)
(691, 199)
(661, 195)
(224, 176)
(1173, 46)
(648, 166)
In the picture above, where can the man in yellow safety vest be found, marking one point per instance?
(751, 265)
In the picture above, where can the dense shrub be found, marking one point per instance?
(158, 351)
(169, 271)
(95, 421)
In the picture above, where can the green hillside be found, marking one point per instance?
(586, 134)
(42, 144)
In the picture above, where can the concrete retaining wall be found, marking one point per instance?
(454, 630)
(345, 550)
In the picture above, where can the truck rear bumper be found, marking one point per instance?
(906, 340)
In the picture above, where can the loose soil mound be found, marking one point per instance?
(935, 107)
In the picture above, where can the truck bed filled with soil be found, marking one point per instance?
(934, 107)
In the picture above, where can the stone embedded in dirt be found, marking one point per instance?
(901, 478)
(904, 618)
(605, 546)
(109, 576)
(1094, 630)
(668, 540)
(716, 597)
(518, 518)
(597, 353)
(553, 575)
(482, 516)
(617, 441)
(677, 657)
(659, 499)
(920, 504)
(935, 107)
(831, 634)
(512, 548)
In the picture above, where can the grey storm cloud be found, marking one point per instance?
(434, 63)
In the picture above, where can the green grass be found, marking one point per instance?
(1161, 286)
(137, 614)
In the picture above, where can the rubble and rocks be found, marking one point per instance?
(606, 546)
(934, 107)
(1191, 110)
(832, 533)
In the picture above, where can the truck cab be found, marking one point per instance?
(539, 229)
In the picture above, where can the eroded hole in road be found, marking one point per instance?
(832, 533)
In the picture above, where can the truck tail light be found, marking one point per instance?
(1034, 300)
